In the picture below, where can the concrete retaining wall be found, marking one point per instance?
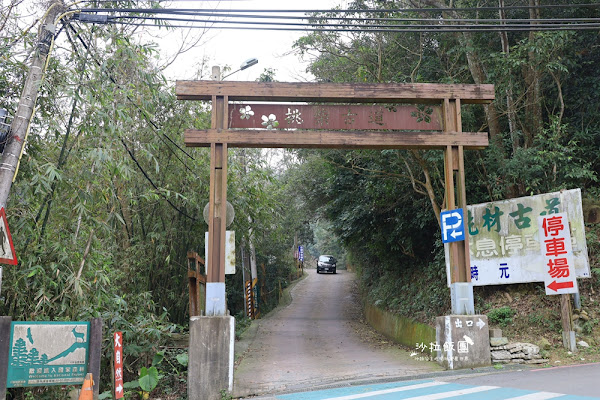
(402, 330)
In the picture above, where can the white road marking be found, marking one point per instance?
(453, 393)
(537, 396)
(386, 391)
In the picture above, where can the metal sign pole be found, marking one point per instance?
(0, 281)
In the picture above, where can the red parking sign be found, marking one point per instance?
(557, 250)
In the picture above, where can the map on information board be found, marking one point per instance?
(48, 353)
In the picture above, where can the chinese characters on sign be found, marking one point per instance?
(47, 353)
(460, 347)
(462, 341)
(504, 239)
(118, 345)
(558, 254)
(335, 117)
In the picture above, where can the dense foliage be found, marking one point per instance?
(543, 127)
(108, 201)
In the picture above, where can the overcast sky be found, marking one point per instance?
(232, 47)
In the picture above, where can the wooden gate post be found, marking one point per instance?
(215, 263)
(455, 190)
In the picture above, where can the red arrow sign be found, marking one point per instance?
(562, 285)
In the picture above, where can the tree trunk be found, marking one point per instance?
(510, 104)
(532, 79)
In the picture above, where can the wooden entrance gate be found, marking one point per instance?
(370, 116)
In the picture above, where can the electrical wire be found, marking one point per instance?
(409, 29)
(242, 18)
(329, 18)
(345, 11)
(144, 113)
(140, 109)
(505, 26)
(152, 183)
(42, 77)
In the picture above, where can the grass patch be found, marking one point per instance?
(501, 316)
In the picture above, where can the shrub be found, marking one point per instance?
(501, 316)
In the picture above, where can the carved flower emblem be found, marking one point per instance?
(270, 122)
(246, 112)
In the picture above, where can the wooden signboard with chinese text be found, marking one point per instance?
(504, 238)
(423, 117)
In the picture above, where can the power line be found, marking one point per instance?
(329, 18)
(505, 26)
(152, 183)
(167, 1)
(103, 17)
(345, 11)
(245, 19)
(407, 28)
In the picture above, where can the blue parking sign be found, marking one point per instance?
(453, 225)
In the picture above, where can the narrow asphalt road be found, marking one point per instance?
(318, 340)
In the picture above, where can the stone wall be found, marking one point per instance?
(503, 352)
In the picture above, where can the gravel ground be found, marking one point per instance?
(318, 340)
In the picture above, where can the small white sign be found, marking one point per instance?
(229, 251)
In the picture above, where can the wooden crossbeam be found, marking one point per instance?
(334, 92)
(335, 139)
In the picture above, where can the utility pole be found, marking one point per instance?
(20, 125)
(18, 129)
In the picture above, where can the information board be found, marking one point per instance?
(48, 353)
(504, 239)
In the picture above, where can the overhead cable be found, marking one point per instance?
(441, 24)
(344, 11)
(104, 17)
(152, 183)
(407, 28)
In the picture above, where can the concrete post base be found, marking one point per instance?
(210, 367)
(463, 341)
